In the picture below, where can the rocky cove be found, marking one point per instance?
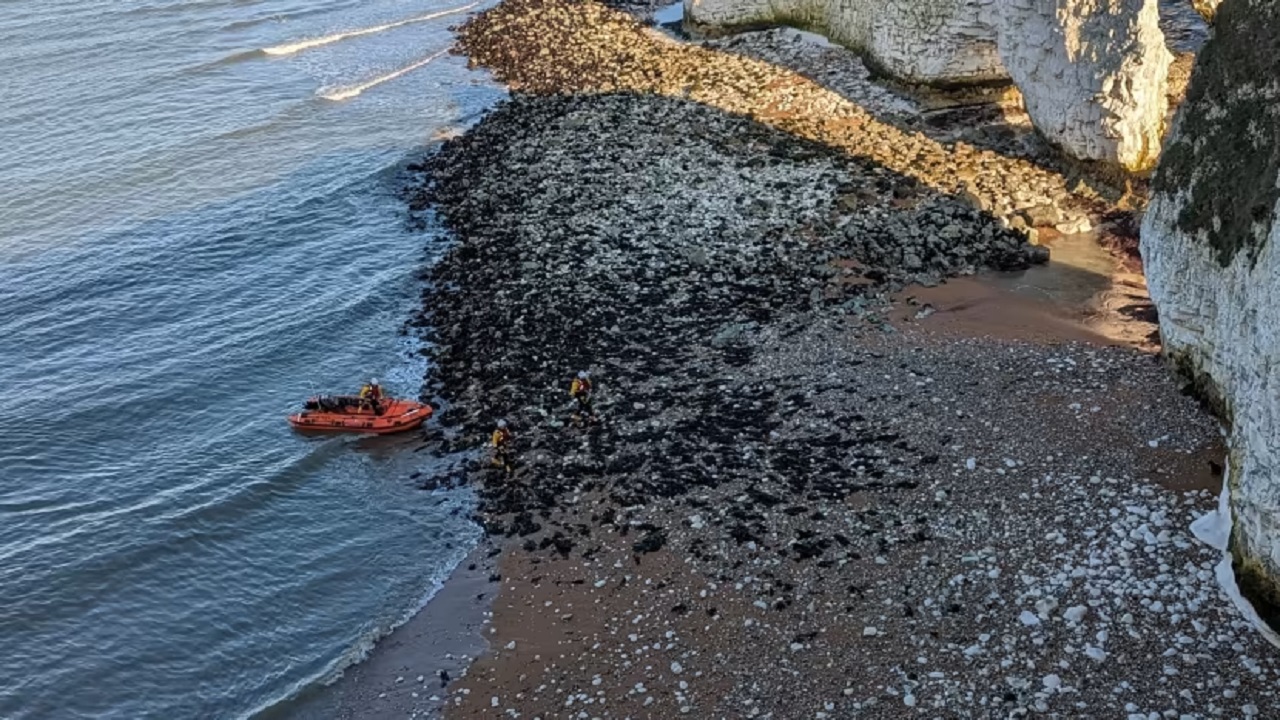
(806, 497)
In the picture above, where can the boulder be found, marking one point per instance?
(1042, 215)
(1092, 74)
(1209, 247)
(1074, 226)
(1207, 8)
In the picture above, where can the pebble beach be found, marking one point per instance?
(822, 485)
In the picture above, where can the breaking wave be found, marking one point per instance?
(291, 48)
(345, 93)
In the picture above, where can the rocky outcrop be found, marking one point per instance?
(1092, 74)
(947, 42)
(1209, 243)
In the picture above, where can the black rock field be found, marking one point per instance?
(649, 240)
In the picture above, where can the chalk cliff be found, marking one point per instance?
(1092, 73)
(1209, 242)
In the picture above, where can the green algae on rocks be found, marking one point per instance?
(1226, 156)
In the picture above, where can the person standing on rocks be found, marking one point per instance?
(501, 441)
(580, 390)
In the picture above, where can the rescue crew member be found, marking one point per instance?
(501, 441)
(371, 394)
(580, 390)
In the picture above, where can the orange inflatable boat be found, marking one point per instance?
(347, 413)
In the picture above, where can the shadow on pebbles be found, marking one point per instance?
(790, 509)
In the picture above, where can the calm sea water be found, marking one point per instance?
(194, 235)
(1184, 28)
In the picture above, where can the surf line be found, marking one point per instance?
(350, 92)
(292, 48)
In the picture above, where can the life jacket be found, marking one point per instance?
(366, 391)
(579, 387)
(501, 437)
(375, 392)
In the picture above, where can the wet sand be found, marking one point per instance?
(1083, 294)
(987, 307)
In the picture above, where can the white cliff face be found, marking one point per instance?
(924, 41)
(1092, 72)
(1225, 323)
(1209, 245)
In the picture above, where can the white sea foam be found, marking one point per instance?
(345, 93)
(1214, 529)
(291, 48)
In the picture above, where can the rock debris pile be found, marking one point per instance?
(563, 46)
(650, 240)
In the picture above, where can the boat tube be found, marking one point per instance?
(348, 413)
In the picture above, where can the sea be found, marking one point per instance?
(200, 226)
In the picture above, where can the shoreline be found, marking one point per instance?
(401, 675)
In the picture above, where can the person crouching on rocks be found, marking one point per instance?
(501, 441)
(580, 390)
